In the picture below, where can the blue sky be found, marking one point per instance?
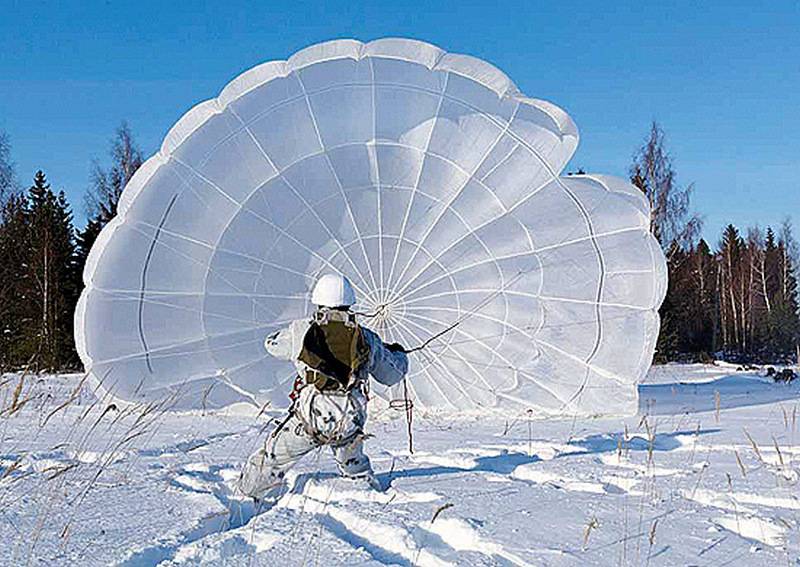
(723, 78)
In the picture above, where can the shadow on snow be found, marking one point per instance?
(734, 391)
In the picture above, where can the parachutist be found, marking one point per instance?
(334, 357)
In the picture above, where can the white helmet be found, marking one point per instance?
(333, 290)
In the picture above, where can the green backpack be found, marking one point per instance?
(334, 348)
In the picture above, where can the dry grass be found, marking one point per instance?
(591, 525)
(754, 446)
(57, 492)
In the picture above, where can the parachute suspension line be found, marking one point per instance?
(366, 315)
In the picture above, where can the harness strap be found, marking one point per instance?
(334, 439)
(289, 416)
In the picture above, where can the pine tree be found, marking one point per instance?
(47, 280)
(8, 182)
(731, 250)
(13, 262)
(785, 316)
(703, 314)
(671, 335)
(12, 225)
(84, 241)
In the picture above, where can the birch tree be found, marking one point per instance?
(652, 171)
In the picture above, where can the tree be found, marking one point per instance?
(46, 285)
(107, 185)
(13, 260)
(11, 235)
(704, 311)
(689, 311)
(84, 240)
(674, 308)
(729, 282)
(785, 314)
(652, 171)
(675, 228)
(103, 197)
(8, 182)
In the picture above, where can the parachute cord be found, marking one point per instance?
(405, 403)
(409, 415)
(429, 340)
(366, 315)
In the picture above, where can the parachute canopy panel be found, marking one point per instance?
(424, 177)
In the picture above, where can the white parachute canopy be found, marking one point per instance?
(429, 181)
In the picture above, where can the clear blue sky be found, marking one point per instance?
(723, 78)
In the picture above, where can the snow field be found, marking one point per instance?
(706, 474)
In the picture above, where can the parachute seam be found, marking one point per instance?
(129, 295)
(535, 253)
(423, 160)
(379, 211)
(433, 362)
(336, 177)
(510, 89)
(279, 173)
(191, 341)
(487, 387)
(324, 153)
(533, 296)
(457, 193)
(270, 223)
(424, 369)
(212, 248)
(285, 102)
(207, 266)
(601, 371)
(492, 350)
(144, 282)
(599, 254)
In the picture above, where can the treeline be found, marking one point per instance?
(42, 255)
(739, 302)
(738, 299)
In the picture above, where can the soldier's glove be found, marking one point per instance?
(396, 347)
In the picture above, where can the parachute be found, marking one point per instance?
(428, 180)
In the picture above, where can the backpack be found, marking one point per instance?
(334, 348)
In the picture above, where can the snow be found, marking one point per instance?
(706, 474)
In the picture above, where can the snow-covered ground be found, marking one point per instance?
(706, 474)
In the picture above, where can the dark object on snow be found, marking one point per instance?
(770, 371)
(704, 358)
(786, 375)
